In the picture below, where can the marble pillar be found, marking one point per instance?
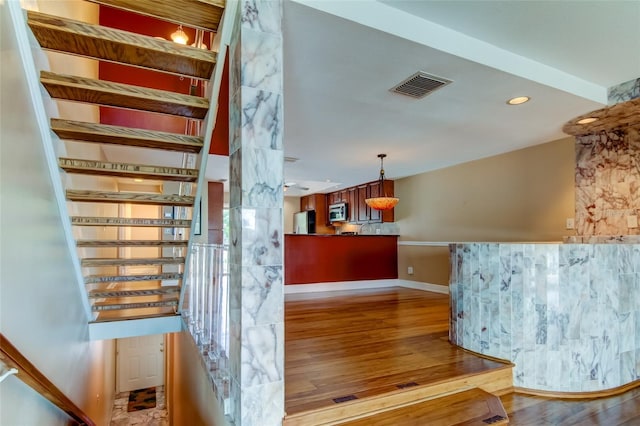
(256, 315)
(608, 175)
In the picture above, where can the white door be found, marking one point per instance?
(140, 362)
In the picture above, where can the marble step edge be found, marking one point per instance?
(96, 279)
(126, 136)
(133, 222)
(131, 243)
(90, 262)
(124, 47)
(137, 305)
(133, 171)
(161, 291)
(101, 92)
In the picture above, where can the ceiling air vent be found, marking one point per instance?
(420, 85)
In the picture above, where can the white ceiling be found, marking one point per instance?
(341, 57)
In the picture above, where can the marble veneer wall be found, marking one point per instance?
(567, 315)
(608, 175)
(256, 314)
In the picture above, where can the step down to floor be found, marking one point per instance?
(131, 243)
(120, 221)
(120, 95)
(473, 407)
(133, 171)
(128, 197)
(105, 294)
(104, 43)
(139, 305)
(118, 135)
(99, 262)
(205, 14)
(96, 279)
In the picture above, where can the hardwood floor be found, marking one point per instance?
(619, 410)
(361, 344)
(365, 343)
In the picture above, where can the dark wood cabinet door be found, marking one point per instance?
(343, 196)
(375, 190)
(363, 208)
(352, 200)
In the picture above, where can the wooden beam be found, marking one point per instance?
(128, 197)
(118, 135)
(121, 95)
(104, 43)
(204, 14)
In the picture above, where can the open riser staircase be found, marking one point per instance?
(130, 278)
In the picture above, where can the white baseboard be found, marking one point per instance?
(417, 285)
(364, 284)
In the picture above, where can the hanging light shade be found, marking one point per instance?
(384, 202)
(179, 36)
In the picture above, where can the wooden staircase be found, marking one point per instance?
(115, 287)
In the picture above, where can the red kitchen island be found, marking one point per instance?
(310, 259)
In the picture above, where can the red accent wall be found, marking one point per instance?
(331, 258)
(128, 21)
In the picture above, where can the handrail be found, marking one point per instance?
(30, 375)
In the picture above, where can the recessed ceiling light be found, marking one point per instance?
(587, 120)
(518, 100)
(138, 180)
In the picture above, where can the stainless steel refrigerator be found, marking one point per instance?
(304, 222)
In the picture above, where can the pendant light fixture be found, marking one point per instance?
(384, 202)
(179, 36)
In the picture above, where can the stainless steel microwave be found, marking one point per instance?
(338, 212)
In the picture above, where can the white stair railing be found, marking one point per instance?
(206, 311)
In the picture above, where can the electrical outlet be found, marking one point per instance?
(410, 270)
(570, 223)
(632, 221)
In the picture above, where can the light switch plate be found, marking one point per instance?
(571, 224)
(410, 270)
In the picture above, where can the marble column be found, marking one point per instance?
(256, 316)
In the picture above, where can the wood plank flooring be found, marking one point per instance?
(369, 343)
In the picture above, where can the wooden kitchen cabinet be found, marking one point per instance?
(363, 208)
(359, 211)
(352, 204)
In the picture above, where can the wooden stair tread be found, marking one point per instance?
(117, 315)
(137, 305)
(204, 14)
(128, 197)
(473, 407)
(141, 171)
(121, 95)
(161, 291)
(130, 243)
(121, 221)
(104, 43)
(95, 279)
(96, 261)
(118, 135)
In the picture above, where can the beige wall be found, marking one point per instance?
(524, 195)
(291, 206)
(41, 310)
(190, 396)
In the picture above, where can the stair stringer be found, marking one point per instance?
(222, 40)
(28, 49)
